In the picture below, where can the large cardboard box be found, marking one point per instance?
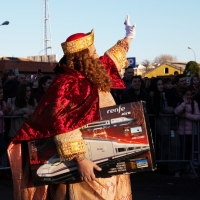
(120, 143)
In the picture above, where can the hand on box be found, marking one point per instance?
(86, 169)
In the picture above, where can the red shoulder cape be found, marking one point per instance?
(70, 102)
(117, 82)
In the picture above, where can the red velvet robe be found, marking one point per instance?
(70, 102)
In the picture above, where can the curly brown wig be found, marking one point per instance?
(91, 68)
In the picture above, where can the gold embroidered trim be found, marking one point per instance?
(79, 44)
(123, 44)
(80, 157)
(118, 54)
(71, 149)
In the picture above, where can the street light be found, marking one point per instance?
(194, 53)
(44, 49)
(5, 23)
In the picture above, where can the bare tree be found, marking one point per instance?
(147, 64)
(164, 57)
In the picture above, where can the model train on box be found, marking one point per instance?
(99, 151)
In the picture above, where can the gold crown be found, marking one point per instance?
(78, 44)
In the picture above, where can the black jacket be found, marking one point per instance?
(172, 97)
(130, 96)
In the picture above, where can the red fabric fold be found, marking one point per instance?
(117, 82)
(70, 102)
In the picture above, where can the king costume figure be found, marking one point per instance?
(81, 86)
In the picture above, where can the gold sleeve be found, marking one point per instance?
(118, 54)
(70, 145)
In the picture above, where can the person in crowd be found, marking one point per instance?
(21, 79)
(29, 79)
(162, 123)
(149, 85)
(194, 85)
(171, 93)
(136, 93)
(180, 84)
(9, 84)
(43, 84)
(24, 104)
(81, 86)
(174, 78)
(127, 79)
(5, 109)
(195, 88)
(172, 97)
(188, 111)
(128, 75)
(147, 82)
(117, 94)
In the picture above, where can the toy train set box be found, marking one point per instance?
(119, 143)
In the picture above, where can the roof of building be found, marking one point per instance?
(177, 65)
(15, 59)
(25, 65)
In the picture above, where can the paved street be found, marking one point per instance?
(145, 186)
(6, 187)
(152, 186)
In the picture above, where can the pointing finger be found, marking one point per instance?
(127, 21)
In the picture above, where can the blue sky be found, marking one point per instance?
(163, 26)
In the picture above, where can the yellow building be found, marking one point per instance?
(165, 69)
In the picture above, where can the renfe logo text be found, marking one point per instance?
(114, 110)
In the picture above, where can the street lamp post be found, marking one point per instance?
(5, 23)
(194, 53)
(44, 49)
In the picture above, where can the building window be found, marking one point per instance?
(166, 70)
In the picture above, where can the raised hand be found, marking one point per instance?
(130, 30)
(186, 99)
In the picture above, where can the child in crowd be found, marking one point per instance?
(188, 111)
(24, 104)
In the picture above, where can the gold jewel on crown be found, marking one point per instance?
(78, 44)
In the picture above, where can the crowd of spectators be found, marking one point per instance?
(164, 96)
(19, 97)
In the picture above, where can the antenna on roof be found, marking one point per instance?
(46, 28)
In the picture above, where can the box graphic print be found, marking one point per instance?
(119, 143)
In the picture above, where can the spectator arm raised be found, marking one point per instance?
(180, 109)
